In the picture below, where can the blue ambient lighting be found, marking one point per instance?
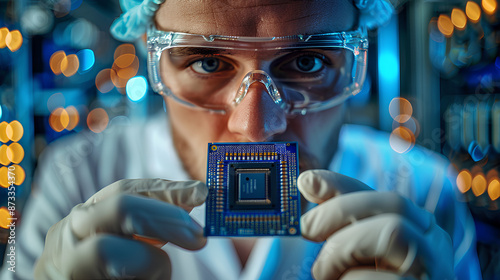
(136, 88)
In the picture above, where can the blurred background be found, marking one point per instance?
(434, 76)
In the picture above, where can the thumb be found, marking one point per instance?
(318, 186)
(185, 194)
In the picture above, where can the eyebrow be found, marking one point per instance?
(187, 51)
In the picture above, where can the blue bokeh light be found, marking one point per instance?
(87, 60)
(136, 88)
(388, 70)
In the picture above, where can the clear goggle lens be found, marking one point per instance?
(300, 73)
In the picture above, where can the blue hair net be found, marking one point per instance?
(137, 15)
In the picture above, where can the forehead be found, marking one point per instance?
(263, 18)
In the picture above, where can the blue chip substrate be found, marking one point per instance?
(252, 189)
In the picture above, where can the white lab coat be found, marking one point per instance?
(76, 167)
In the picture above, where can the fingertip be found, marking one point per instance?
(198, 241)
(200, 193)
(307, 228)
(305, 184)
(314, 185)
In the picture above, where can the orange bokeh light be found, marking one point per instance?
(74, 117)
(3, 35)
(59, 119)
(478, 184)
(3, 132)
(473, 11)
(458, 18)
(124, 49)
(4, 217)
(103, 81)
(464, 181)
(445, 25)
(15, 153)
(14, 131)
(56, 60)
(489, 6)
(401, 139)
(18, 173)
(14, 40)
(124, 60)
(4, 159)
(97, 120)
(70, 65)
(120, 76)
(4, 177)
(494, 189)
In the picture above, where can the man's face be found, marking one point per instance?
(257, 118)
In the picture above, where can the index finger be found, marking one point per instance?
(185, 194)
(318, 186)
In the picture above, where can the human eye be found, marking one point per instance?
(301, 64)
(307, 64)
(210, 65)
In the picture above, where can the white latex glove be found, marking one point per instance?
(369, 234)
(96, 240)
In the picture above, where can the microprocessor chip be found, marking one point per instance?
(252, 189)
(252, 185)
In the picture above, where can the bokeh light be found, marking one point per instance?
(401, 140)
(124, 60)
(82, 34)
(15, 153)
(478, 184)
(4, 177)
(74, 117)
(70, 65)
(124, 49)
(458, 18)
(4, 217)
(97, 120)
(4, 159)
(121, 75)
(473, 11)
(14, 131)
(103, 81)
(87, 60)
(3, 132)
(37, 20)
(494, 189)
(137, 88)
(14, 40)
(445, 25)
(59, 119)
(56, 100)
(464, 181)
(489, 6)
(400, 109)
(56, 60)
(3, 35)
(19, 174)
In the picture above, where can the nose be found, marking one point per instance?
(257, 118)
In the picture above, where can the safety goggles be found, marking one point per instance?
(301, 73)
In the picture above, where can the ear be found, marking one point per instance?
(144, 38)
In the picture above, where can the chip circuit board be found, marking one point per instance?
(252, 189)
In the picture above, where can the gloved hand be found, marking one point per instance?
(96, 240)
(369, 234)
